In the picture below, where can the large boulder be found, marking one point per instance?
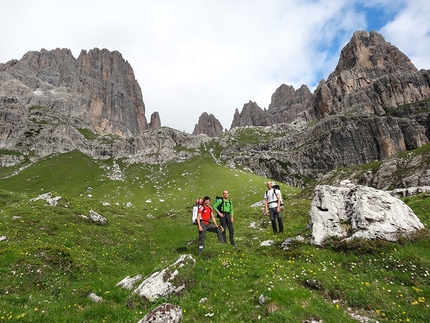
(170, 280)
(353, 211)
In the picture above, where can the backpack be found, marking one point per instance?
(195, 212)
(276, 187)
(219, 208)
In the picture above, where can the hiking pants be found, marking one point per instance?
(226, 222)
(273, 216)
(202, 234)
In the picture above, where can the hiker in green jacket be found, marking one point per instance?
(224, 208)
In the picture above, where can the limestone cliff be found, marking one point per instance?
(372, 76)
(208, 125)
(97, 91)
(373, 105)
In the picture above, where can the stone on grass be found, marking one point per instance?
(95, 298)
(129, 282)
(267, 243)
(165, 313)
(354, 211)
(170, 280)
(52, 201)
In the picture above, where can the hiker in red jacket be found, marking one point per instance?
(206, 215)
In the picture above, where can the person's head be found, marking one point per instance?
(206, 200)
(225, 194)
(269, 185)
(199, 201)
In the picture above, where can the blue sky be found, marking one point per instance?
(195, 56)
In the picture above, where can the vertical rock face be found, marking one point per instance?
(155, 121)
(372, 106)
(370, 53)
(286, 104)
(251, 115)
(286, 95)
(98, 90)
(208, 125)
(115, 100)
(12, 117)
(372, 76)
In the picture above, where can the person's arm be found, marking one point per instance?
(266, 204)
(213, 218)
(216, 208)
(231, 212)
(278, 197)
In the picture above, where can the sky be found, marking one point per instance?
(214, 56)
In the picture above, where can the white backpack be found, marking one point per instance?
(195, 214)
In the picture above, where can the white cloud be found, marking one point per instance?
(409, 30)
(192, 56)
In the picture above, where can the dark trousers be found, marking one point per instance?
(226, 223)
(202, 234)
(276, 216)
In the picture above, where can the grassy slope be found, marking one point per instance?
(53, 258)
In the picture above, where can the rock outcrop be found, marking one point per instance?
(208, 125)
(165, 313)
(352, 211)
(155, 121)
(374, 105)
(286, 104)
(372, 76)
(251, 115)
(97, 91)
(170, 280)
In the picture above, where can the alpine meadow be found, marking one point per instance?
(54, 258)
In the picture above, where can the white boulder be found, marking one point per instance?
(161, 284)
(354, 211)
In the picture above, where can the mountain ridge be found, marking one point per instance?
(371, 107)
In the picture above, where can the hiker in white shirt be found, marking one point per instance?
(272, 204)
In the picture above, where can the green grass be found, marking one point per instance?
(53, 258)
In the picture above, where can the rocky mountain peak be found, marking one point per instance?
(155, 121)
(97, 91)
(251, 115)
(371, 77)
(365, 62)
(208, 125)
(371, 53)
(282, 96)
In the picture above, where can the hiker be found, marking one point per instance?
(224, 208)
(272, 203)
(206, 214)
